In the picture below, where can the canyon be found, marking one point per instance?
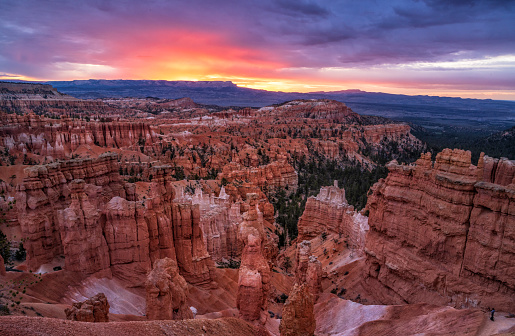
(447, 227)
(160, 210)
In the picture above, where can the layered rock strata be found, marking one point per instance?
(272, 177)
(166, 292)
(308, 269)
(254, 274)
(443, 232)
(194, 262)
(81, 233)
(219, 221)
(94, 309)
(59, 138)
(82, 210)
(298, 317)
(329, 212)
(47, 189)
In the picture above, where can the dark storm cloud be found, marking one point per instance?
(299, 7)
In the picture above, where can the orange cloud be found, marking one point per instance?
(188, 55)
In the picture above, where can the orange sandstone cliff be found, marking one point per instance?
(442, 232)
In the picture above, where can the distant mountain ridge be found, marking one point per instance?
(428, 111)
(439, 114)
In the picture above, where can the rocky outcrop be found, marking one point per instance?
(219, 222)
(315, 109)
(94, 309)
(308, 269)
(166, 292)
(442, 232)
(329, 212)
(254, 273)
(59, 138)
(30, 97)
(298, 317)
(314, 277)
(194, 262)
(126, 233)
(272, 177)
(81, 233)
(82, 210)
(2, 266)
(47, 189)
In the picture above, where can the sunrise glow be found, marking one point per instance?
(425, 47)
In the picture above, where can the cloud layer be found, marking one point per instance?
(457, 47)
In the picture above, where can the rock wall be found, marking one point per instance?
(443, 232)
(81, 233)
(271, 177)
(30, 133)
(219, 221)
(94, 309)
(82, 210)
(298, 316)
(194, 262)
(329, 212)
(47, 189)
(254, 274)
(166, 292)
(308, 269)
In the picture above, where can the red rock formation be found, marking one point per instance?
(302, 261)
(47, 190)
(194, 262)
(314, 277)
(336, 316)
(274, 176)
(219, 222)
(81, 233)
(308, 269)
(329, 212)
(126, 233)
(94, 309)
(166, 292)
(77, 208)
(59, 138)
(2, 266)
(316, 109)
(254, 273)
(443, 234)
(298, 318)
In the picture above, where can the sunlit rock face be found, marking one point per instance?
(81, 233)
(219, 222)
(194, 262)
(442, 232)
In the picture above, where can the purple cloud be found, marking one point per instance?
(37, 37)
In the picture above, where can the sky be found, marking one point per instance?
(458, 48)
